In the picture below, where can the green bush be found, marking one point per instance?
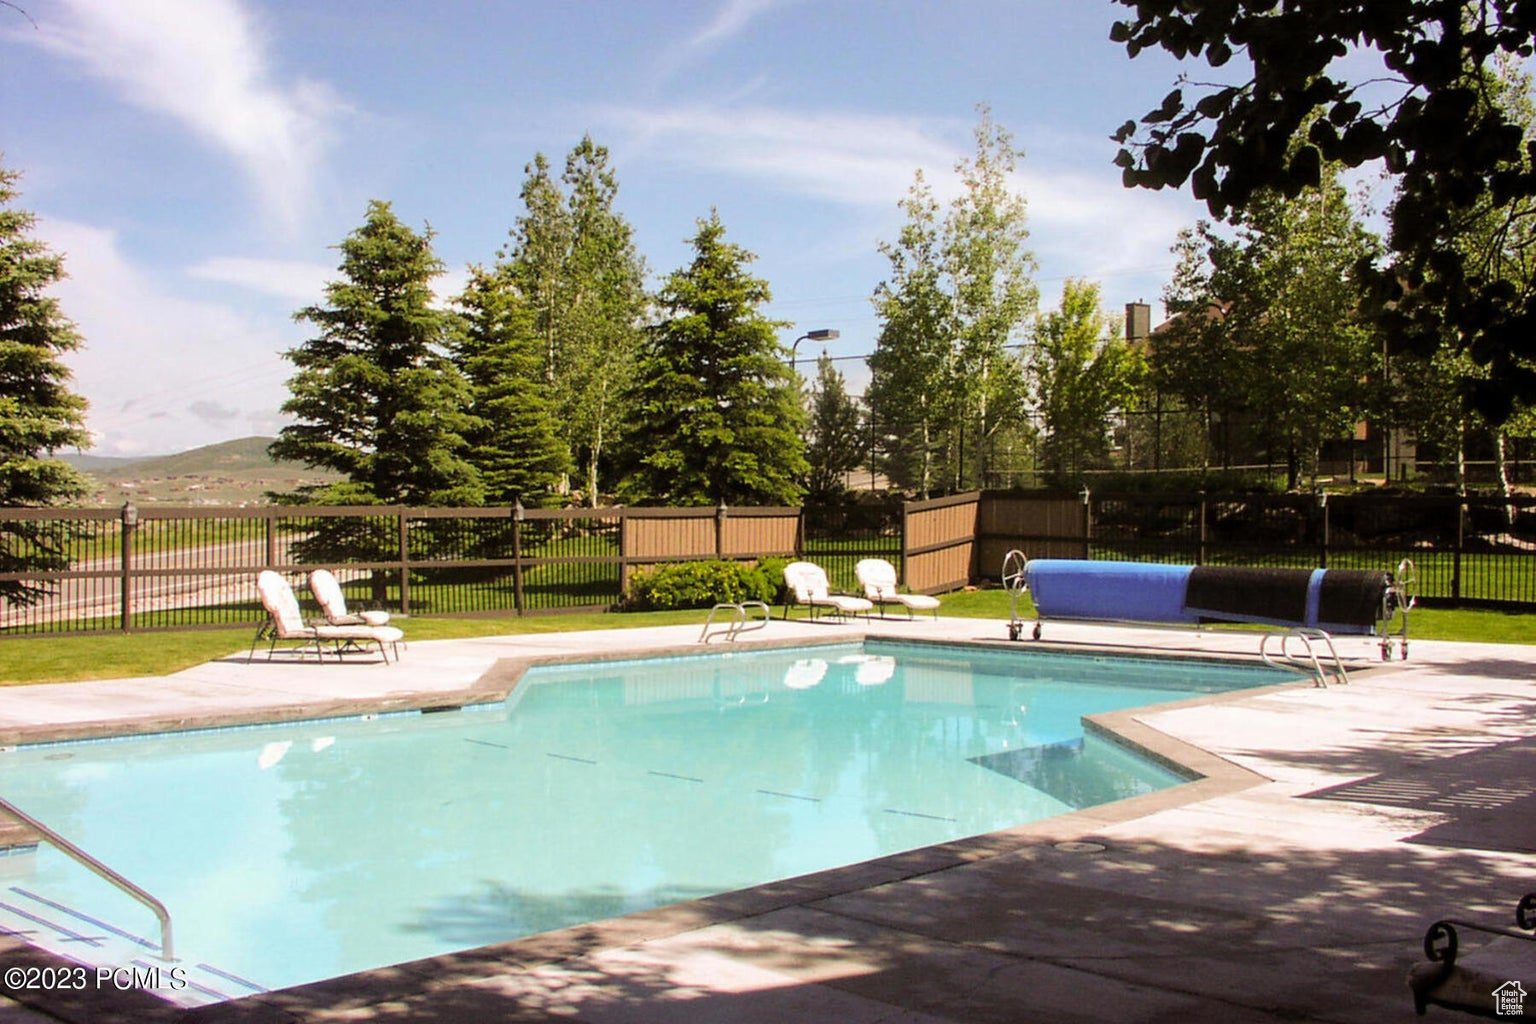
(772, 570)
(697, 585)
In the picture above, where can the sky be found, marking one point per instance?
(196, 162)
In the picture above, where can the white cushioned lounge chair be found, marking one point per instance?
(878, 578)
(333, 603)
(807, 584)
(286, 623)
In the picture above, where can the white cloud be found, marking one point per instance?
(155, 365)
(844, 158)
(204, 64)
(1083, 222)
(732, 18)
(295, 281)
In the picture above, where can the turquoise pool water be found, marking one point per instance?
(297, 852)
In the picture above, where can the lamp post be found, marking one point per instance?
(824, 334)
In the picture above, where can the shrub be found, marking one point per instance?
(696, 585)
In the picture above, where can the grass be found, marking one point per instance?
(120, 656)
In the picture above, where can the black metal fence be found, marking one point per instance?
(1466, 550)
(96, 570)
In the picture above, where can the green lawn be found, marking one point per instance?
(116, 655)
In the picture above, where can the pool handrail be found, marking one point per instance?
(86, 860)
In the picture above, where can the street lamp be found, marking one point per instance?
(824, 334)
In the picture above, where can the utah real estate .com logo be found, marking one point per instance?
(1509, 999)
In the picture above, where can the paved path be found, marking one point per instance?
(1293, 884)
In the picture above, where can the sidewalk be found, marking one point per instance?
(1293, 884)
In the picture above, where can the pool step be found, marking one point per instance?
(113, 957)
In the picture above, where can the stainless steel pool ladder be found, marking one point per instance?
(740, 622)
(86, 860)
(1308, 656)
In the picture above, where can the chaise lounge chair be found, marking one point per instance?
(333, 603)
(286, 623)
(879, 580)
(807, 584)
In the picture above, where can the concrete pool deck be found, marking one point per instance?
(1294, 883)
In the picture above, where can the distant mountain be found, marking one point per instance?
(236, 472)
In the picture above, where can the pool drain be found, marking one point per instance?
(1081, 847)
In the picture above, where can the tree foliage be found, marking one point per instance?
(837, 441)
(947, 384)
(1267, 328)
(573, 261)
(1305, 96)
(911, 369)
(39, 414)
(515, 443)
(717, 416)
(375, 395)
(1084, 372)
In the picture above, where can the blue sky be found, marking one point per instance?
(196, 161)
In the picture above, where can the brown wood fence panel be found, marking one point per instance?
(939, 543)
(1040, 525)
(760, 533)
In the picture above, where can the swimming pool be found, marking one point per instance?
(303, 851)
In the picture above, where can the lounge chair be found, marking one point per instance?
(333, 603)
(879, 579)
(286, 623)
(808, 586)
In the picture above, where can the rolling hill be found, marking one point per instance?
(236, 472)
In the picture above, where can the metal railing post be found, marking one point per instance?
(518, 515)
(130, 523)
(167, 952)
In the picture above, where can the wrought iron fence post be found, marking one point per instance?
(1087, 499)
(130, 523)
(403, 532)
(1322, 509)
(1461, 539)
(518, 515)
(1201, 530)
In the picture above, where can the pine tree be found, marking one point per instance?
(838, 441)
(376, 396)
(515, 444)
(717, 412)
(39, 414)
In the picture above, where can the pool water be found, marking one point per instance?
(291, 853)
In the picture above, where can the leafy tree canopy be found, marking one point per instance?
(1305, 94)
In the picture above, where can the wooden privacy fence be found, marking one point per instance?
(93, 570)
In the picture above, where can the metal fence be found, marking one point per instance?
(162, 567)
(177, 568)
(1471, 551)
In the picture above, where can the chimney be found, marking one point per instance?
(1138, 321)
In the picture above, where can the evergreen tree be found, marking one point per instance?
(1086, 372)
(716, 409)
(375, 394)
(515, 443)
(837, 442)
(39, 414)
